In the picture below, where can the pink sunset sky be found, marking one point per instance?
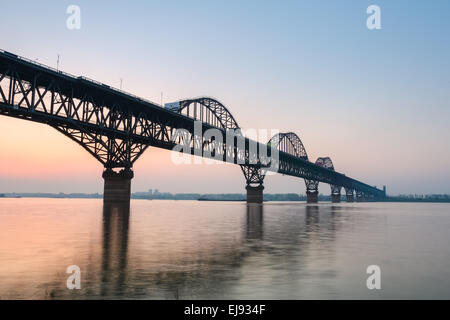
(376, 102)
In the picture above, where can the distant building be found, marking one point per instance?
(150, 191)
(2, 195)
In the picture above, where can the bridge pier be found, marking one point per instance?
(336, 198)
(312, 196)
(359, 196)
(254, 176)
(349, 195)
(117, 190)
(255, 194)
(335, 193)
(312, 191)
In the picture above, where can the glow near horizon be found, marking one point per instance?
(376, 102)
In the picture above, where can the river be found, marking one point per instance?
(223, 250)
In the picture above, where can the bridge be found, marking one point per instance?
(117, 127)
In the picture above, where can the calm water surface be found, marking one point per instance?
(223, 250)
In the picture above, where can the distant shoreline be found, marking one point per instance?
(286, 197)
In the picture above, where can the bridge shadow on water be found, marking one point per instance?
(286, 242)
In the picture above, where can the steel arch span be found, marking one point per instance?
(210, 111)
(312, 186)
(289, 143)
(326, 162)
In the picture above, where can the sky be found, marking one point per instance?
(375, 101)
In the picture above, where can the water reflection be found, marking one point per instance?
(288, 241)
(312, 215)
(116, 220)
(254, 221)
(188, 250)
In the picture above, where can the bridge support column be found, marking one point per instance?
(335, 193)
(255, 194)
(254, 176)
(117, 187)
(312, 196)
(336, 198)
(349, 195)
(359, 196)
(312, 191)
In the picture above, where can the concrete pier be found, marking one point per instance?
(312, 196)
(336, 198)
(360, 197)
(117, 187)
(349, 195)
(255, 194)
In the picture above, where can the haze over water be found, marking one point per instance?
(223, 250)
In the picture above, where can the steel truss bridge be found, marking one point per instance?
(116, 128)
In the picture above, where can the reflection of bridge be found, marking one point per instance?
(259, 242)
(116, 128)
